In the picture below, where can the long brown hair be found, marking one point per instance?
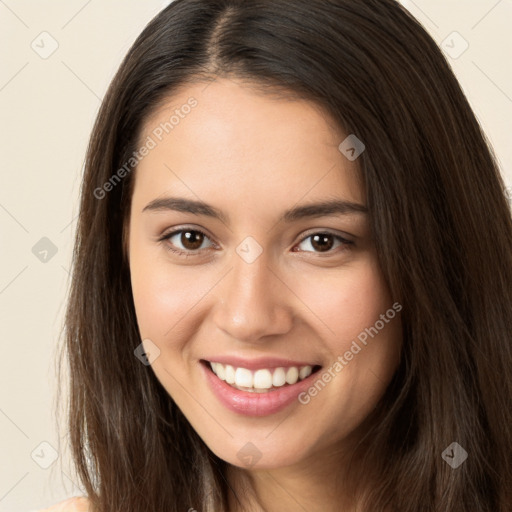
(442, 228)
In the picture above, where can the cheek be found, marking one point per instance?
(348, 306)
(166, 299)
(347, 301)
(164, 296)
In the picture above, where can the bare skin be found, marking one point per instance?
(70, 505)
(253, 157)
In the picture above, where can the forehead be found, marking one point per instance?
(225, 139)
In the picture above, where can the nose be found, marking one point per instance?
(253, 302)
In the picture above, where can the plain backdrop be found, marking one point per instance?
(57, 59)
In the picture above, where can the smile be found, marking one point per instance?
(260, 381)
(265, 389)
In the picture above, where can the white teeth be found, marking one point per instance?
(261, 380)
(221, 372)
(279, 377)
(230, 374)
(304, 372)
(243, 377)
(292, 375)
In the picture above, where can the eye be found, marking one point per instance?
(190, 242)
(186, 241)
(323, 242)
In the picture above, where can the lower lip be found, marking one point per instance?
(254, 404)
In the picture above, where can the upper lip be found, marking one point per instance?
(259, 363)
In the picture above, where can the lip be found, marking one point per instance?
(259, 363)
(254, 404)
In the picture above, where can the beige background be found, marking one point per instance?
(48, 106)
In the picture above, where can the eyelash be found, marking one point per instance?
(187, 254)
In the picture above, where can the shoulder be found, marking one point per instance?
(80, 504)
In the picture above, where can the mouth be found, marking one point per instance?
(261, 390)
(262, 380)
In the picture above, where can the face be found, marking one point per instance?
(250, 248)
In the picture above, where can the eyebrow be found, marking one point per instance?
(318, 209)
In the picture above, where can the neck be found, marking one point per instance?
(319, 483)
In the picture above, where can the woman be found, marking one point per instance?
(292, 280)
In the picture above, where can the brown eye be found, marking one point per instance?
(323, 242)
(191, 240)
(186, 241)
